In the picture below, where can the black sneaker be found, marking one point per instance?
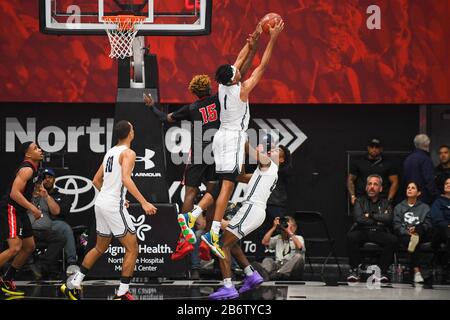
(9, 288)
(353, 276)
(72, 294)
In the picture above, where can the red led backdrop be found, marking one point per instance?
(326, 54)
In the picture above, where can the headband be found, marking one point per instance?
(234, 73)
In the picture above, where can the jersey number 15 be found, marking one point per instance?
(209, 113)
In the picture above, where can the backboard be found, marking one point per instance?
(162, 17)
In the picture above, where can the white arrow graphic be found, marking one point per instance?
(292, 136)
(301, 137)
(267, 129)
(262, 124)
(287, 136)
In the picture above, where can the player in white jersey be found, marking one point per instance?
(249, 217)
(187, 219)
(230, 139)
(113, 179)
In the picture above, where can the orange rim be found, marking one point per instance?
(124, 22)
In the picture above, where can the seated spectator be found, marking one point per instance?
(58, 220)
(440, 217)
(289, 249)
(412, 223)
(373, 220)
(442, 170)
(43, 233)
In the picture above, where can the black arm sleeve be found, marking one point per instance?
(159, 114)
(182, 114)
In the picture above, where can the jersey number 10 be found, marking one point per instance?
(109, 164)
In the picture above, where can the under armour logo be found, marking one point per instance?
(148, 163)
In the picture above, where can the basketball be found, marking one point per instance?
(269, 20)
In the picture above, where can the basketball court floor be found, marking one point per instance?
(273, 290)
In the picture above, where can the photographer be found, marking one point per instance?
(289, 251)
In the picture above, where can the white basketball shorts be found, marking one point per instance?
(229, 151)
(249, 218)
(113, 222)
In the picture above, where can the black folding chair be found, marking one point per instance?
(309, 219)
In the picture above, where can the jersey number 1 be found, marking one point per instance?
(109, 164)
(209, 113)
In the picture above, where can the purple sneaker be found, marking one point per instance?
(251, 282)
(224, 293)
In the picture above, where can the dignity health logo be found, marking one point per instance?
(141, 227)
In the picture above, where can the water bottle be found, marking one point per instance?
(393, 273)
(399, 273)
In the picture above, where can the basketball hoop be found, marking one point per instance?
(121, 38)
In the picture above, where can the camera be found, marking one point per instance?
(40, 176)
(284, 223)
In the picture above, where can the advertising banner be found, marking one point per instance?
(157, 236)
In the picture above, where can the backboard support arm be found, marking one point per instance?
(137, 63)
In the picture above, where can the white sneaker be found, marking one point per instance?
(74, 281)
(418, 278)
(73, 268)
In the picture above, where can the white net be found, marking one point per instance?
(121, 38)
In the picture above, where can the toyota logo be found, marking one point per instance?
(77, 186)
